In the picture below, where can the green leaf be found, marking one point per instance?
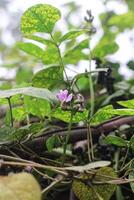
(130, 4)
(52, 142)
(84, 191)
(19, 113)
(106, 46)
(127, 104)
(90, 166)
(75, 54)
(51, 55)
(115, 140)
(9, 134)
(39, 39)
(39, 18)
(36, 106)
(31, 49)
(132, 142)
(122, 21)
(66, 115)
(122, 112)
(130, 64)
(19, 187)
(108, 112)
(72, 35)
(50, 77)
(30, 91)
(102, 115)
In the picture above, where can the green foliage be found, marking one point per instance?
(106, 45)
(49, 78)
(131, 175)
(58, 113)
(127, 104)
(122, 21)
(72, 35)
(36, 106)
(75, 54)
(30, 91)
(53, 142)
(102, 115)
(84, 191)
(31, 49)
(115, 140)
(39, 18)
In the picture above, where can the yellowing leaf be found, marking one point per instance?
(39, 18)
(20, 186)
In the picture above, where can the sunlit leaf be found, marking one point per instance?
(127, 104)
(106, 46)
(123, 21)
(72, 35)
(65, 115)
(39, 18)
(102, 115)
(31, 49)
(39, 39)
(75, 54)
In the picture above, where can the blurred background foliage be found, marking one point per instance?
(22, 60)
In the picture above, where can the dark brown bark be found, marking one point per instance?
(38, 144)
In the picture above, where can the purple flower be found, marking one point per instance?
(63, 96)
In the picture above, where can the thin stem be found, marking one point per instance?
(91, 111)
(92, 98)
(118, 193)
(10, 108)
(60, 58)
(90, 142)
(52, 185)
(67, 138)
(33, 164)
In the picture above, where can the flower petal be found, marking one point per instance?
(69, 98)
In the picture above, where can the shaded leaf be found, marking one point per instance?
(36, 106)
(131, 175)
(115, 140)
(39, 18)
(52, 142)
(84, 191)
